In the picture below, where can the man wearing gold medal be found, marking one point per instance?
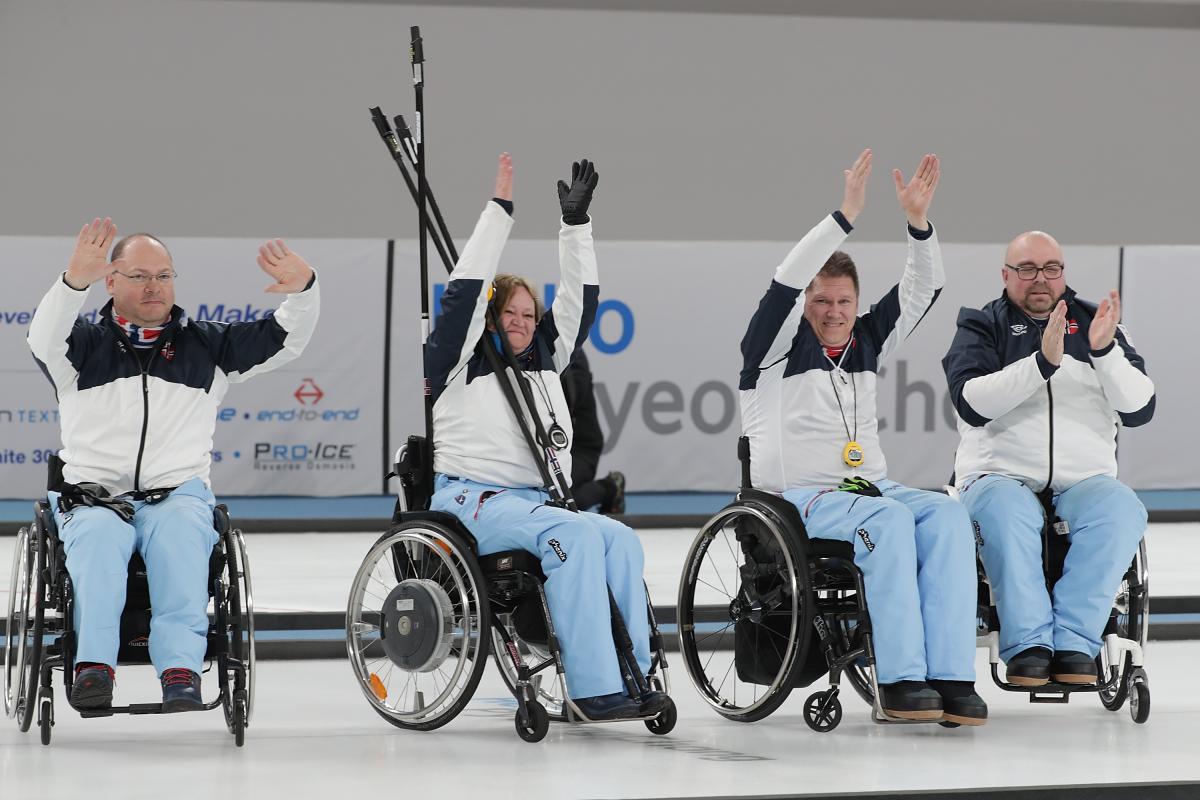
(808, 387)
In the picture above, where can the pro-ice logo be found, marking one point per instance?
(862, 534)
(978, 533)
(1019, 329)
(558, 551)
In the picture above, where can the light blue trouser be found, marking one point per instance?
(916, 554)
(1106, 522)
(176, 538)
(583, 555)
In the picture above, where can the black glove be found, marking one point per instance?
(576, 198)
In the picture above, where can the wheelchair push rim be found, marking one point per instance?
(713, 598)
(428, 697)
(16, 632)
(247, 598)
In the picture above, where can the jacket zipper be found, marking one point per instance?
(137, 470)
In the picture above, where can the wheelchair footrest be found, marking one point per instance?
(1057, 697)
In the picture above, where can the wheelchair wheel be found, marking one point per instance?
(536, 727)
(417, 625)
(241, 623)
(16, 642)
(31, 631)
(664, 723)
(1139, 700)
(823, 710)
(1130, 620)
(745, 615)
(547, 689)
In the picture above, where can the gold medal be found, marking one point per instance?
(853, 454)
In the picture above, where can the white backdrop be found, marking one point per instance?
(664, 353)
(313, 427)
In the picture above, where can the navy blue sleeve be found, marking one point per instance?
(448, 339)
(972, 354)
(764, 330)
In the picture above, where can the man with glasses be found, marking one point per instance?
(1042, 381)
(138, 392)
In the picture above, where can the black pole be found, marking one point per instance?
(417, 57)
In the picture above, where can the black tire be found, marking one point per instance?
(823, 711)
(448, 558)
(948, 724)
(240, 599)
(664, 723)
(1129, 621)
(45, 713)
(536, 727)
(16, 640)
(1139, 702)
(239, 717)
(33, 651)
(712, 570)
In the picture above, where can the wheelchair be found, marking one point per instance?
(425, 609)
(763, 610)
(1121, 661)
(41, 635)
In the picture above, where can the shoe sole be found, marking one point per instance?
(972, 721)
(925, 716)
(1074, 679)
(177, 706)
(92, 701)
(1022, 680)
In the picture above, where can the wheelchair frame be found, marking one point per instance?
(827, 597)
(1121, 662)
(41, 582)
(481, 602)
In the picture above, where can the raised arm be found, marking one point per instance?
(464, 304)
(252, 348)
(894, 318)
(773, 325)
(1122, 372)
(570, 318)
(57, 351)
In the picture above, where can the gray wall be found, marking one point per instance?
(222, 118)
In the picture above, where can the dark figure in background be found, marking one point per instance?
(609, 491)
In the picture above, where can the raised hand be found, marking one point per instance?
(855, 198)
(291, 272)
(1052, 337)
(916, 195)
(89, 262)
(575, 199)
(504, 178)
(1104, 324)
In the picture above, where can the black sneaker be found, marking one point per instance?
(910, 700)
(617, 506)
(1071, 666)
(93, 686)
(608, 706)
(181, 690)
(1029, 667)
(960, 703)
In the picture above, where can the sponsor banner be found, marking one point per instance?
(312, 427)
(665, 350)
(1156, 305)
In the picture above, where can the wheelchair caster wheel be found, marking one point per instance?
(239, 717)
(538, 725)
(1139, 701)
(823, 711)
(664, 723)
(45, 713)
(948, 724)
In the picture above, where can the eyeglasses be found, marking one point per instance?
(141, 279)
(1028, 272)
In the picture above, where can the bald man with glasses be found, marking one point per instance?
(138, 391)
(1042, 381)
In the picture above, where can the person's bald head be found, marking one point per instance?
(1034, 250)
(142, 287)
